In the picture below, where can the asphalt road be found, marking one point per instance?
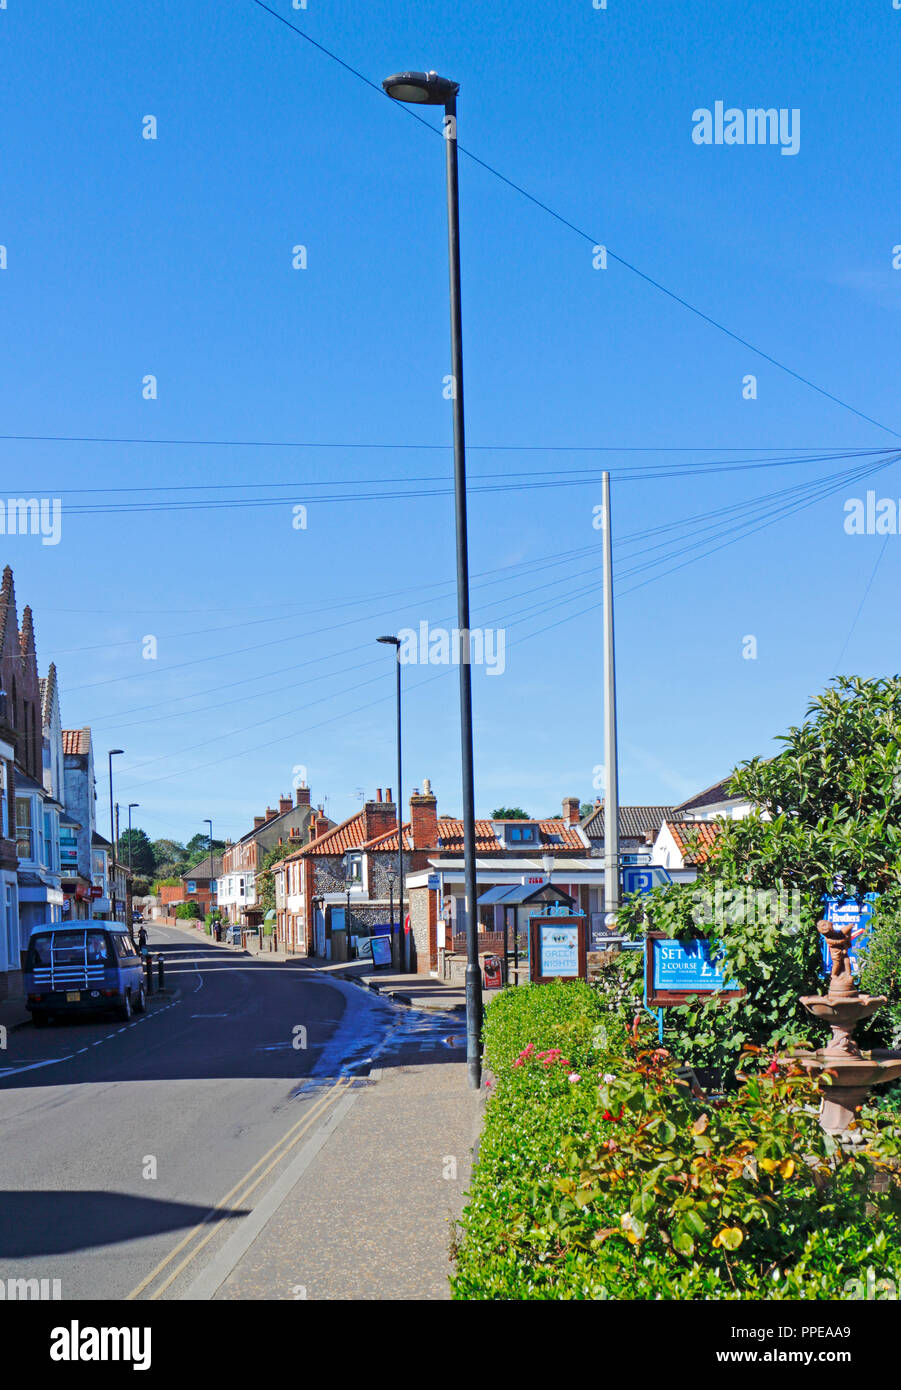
(129, 1151)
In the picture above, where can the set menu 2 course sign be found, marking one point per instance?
(677, 970)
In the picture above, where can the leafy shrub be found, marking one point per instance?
(614, 1180)
(190, 911)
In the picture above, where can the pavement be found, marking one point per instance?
(269, 1130)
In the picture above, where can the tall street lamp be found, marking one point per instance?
(210, 879)
(391, 876)
(398, 945)
(132, 805)
(113, 753)
(428, 89)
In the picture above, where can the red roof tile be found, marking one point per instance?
(695, 838)
(348, 835)
(76, 740)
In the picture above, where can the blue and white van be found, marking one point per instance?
(91, 966)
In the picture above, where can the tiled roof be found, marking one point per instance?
(77, 740)
(709, 797)
(695, 838)
(202, 870)
(387, 842)
(635, 822)
(554, 834)
(350, 834)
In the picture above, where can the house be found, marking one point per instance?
(78, 823)
(712, 803)
(684, 844)
(200, 883)
(350, 871)
(242, 860)
(316, 883)
(9, 884)
(37, 770)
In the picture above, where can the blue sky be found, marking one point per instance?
(172, 257)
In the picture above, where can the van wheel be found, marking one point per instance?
(40, 1018)
(141, 1002)
(125, 1011)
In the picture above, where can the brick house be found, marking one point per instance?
(242, 860)
(348, 869)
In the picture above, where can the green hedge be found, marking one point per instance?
(600, 1175)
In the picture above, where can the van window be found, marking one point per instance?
(124, 946)
(39, 950)
(98, 948)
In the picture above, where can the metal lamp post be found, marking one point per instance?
(391, 876)
(428, 89)
(348, 880)
(398, 951)
(113, 752)
(208, 822)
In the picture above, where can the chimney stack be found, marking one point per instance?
(270, 814)
(378, 817)
(571, 810)
(424, 817)
(258, 821)
(303, 795)
(284, 804)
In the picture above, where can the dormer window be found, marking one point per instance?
(517, 834)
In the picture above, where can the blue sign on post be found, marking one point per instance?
(688, 965)
(675, 970)
(841, 912)
(644, 879)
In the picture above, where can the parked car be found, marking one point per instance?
(72, 969)
(233, 936)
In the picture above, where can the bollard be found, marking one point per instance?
(160, 975)
(148, 971)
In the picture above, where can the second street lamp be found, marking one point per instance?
(111, 886)
(398, 944)
(428, 89)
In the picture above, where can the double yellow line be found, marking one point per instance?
(231, 1201)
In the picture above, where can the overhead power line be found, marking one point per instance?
(580, 231)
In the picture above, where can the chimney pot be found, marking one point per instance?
(388, 797)
(378, 793)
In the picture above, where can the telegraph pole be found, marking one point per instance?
(611, 779)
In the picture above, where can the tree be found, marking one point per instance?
(829, 803)
(135, 847)
(510, 813)
(265, 882)
(197, 856)
(199, 846)
(168, 852)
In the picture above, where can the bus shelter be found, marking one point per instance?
(513, 896)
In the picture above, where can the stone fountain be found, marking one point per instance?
(852, 1073)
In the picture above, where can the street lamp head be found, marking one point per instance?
(114, 751)
(421, 88)
(133, 804)
(393, 641)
